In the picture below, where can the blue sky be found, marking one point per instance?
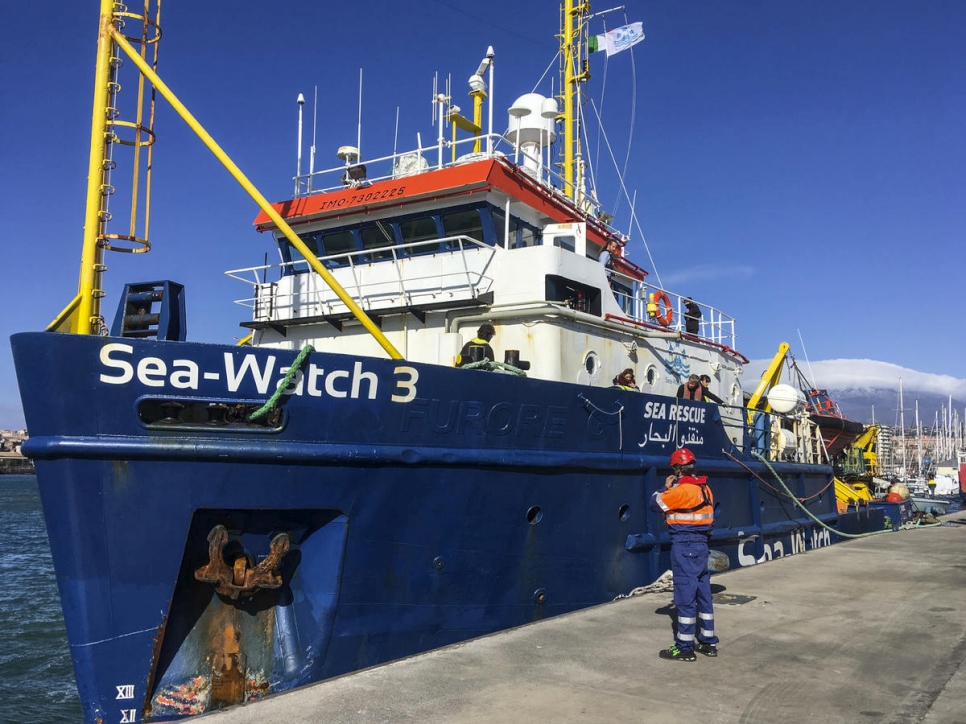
(800, 166)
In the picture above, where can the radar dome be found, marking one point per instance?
(528, 121)
(786, 399)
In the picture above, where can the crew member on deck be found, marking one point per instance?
(625, 380)
(691, 390)
(709, 396)
(484, 334)
(692, 316)
(607, 256)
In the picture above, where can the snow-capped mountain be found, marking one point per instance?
(863, 388)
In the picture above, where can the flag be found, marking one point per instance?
(617, 40)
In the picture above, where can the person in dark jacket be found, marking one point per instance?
(606, 256)
(709, 396)
(484, 334)
(688, 507)
(692, 316)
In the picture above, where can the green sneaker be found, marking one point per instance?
(675, 654)
(707, 649)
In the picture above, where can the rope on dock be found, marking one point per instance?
(663, 584)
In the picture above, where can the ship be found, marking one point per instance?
(838, 431)
(231, 520)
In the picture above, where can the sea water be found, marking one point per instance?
(36, 676)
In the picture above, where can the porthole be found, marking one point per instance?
(592, 364)
(534, 515)
(624, 512)
(651, 375)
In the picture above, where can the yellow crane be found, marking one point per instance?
(768, 380)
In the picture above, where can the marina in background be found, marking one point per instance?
(12, 462)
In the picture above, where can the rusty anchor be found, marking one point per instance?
(241, 578)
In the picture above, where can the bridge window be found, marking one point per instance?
(376, 236)
(290, 254)
(463, 223)
(521, 233)
(567, 242)
(420, 229)
(311, 241)
(529, 236)
(335, 243)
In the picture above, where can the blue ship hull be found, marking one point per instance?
(423, 506)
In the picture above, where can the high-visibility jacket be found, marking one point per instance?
(464, 356)
(688, 506)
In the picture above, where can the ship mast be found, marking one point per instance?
(574, 72)
(108, 132)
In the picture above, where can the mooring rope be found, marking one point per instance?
(492, 366)
(272, 402)
(822, 523)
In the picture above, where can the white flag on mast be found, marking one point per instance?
(614, 41)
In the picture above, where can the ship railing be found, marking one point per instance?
(715, 326)
(364, 172)
(413, 274)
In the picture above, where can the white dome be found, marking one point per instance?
(786, 399)
(527, 119)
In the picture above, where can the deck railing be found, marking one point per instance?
(388, 276)
(715, 326)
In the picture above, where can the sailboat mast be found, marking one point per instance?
(918, 440)
(902, 429)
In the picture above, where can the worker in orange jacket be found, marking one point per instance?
(688, 507)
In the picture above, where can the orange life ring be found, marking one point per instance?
(666, 315)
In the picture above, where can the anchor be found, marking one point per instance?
(241, 578)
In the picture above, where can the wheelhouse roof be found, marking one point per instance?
(451, 182)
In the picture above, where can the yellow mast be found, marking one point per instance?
(82, 315)
(573, 72)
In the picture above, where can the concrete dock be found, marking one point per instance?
(872, 630)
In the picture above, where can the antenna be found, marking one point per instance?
(807, 361)
(489, 118)
(298, 171)
(435, 94)
(315, 111)
(395, 134)
(359, 129)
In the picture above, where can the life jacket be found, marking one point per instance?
(696, 394)
(689, 505)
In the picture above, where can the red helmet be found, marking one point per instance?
(682, 457)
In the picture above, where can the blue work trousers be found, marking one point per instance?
(692, 593)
